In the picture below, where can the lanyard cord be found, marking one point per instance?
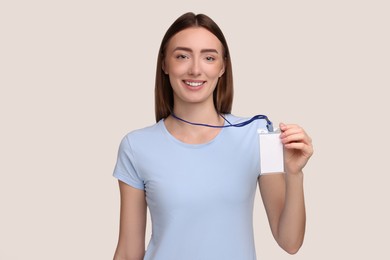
(241, 124)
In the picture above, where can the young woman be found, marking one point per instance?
(197, 178)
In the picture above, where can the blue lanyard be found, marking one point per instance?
(241, 124)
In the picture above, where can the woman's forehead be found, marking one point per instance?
(195, 38)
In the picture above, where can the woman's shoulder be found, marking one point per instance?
(256, 120)
(144, 133)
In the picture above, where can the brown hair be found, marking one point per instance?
(223, 93)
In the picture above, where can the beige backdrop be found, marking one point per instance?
(76, 76)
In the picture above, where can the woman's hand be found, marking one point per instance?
(297, 145)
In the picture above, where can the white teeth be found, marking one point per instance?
(194, 84)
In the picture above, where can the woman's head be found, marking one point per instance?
(223, 93)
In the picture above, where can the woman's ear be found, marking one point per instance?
(163, 67)
(222, 70)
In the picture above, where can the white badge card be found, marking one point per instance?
(271, 152)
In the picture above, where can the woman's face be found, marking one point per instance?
(194, 61)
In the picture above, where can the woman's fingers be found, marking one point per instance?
(304, 148)
(294, 137)
(293, 133)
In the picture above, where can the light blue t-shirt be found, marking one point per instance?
(201, 196)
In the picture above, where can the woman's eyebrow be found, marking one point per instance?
(190, 50)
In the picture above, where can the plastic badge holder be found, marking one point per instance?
(271, 152)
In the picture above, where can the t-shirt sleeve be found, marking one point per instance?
(125, 168)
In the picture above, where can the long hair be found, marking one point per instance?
(223, 93)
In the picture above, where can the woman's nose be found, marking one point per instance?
(194, 68)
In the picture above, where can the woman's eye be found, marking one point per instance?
(209, 58)
(181, 57)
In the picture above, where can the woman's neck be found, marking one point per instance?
(193, 134)
(198, 114)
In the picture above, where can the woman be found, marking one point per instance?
(197, 178)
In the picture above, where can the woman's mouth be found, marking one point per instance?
(194, 84)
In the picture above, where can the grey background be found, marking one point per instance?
(76, 76)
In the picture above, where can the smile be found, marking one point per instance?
(194, 83)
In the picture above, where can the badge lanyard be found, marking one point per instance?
(241, 124)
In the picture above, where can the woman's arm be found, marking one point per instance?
(284, 203)
(131, 243)
(283, 195)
